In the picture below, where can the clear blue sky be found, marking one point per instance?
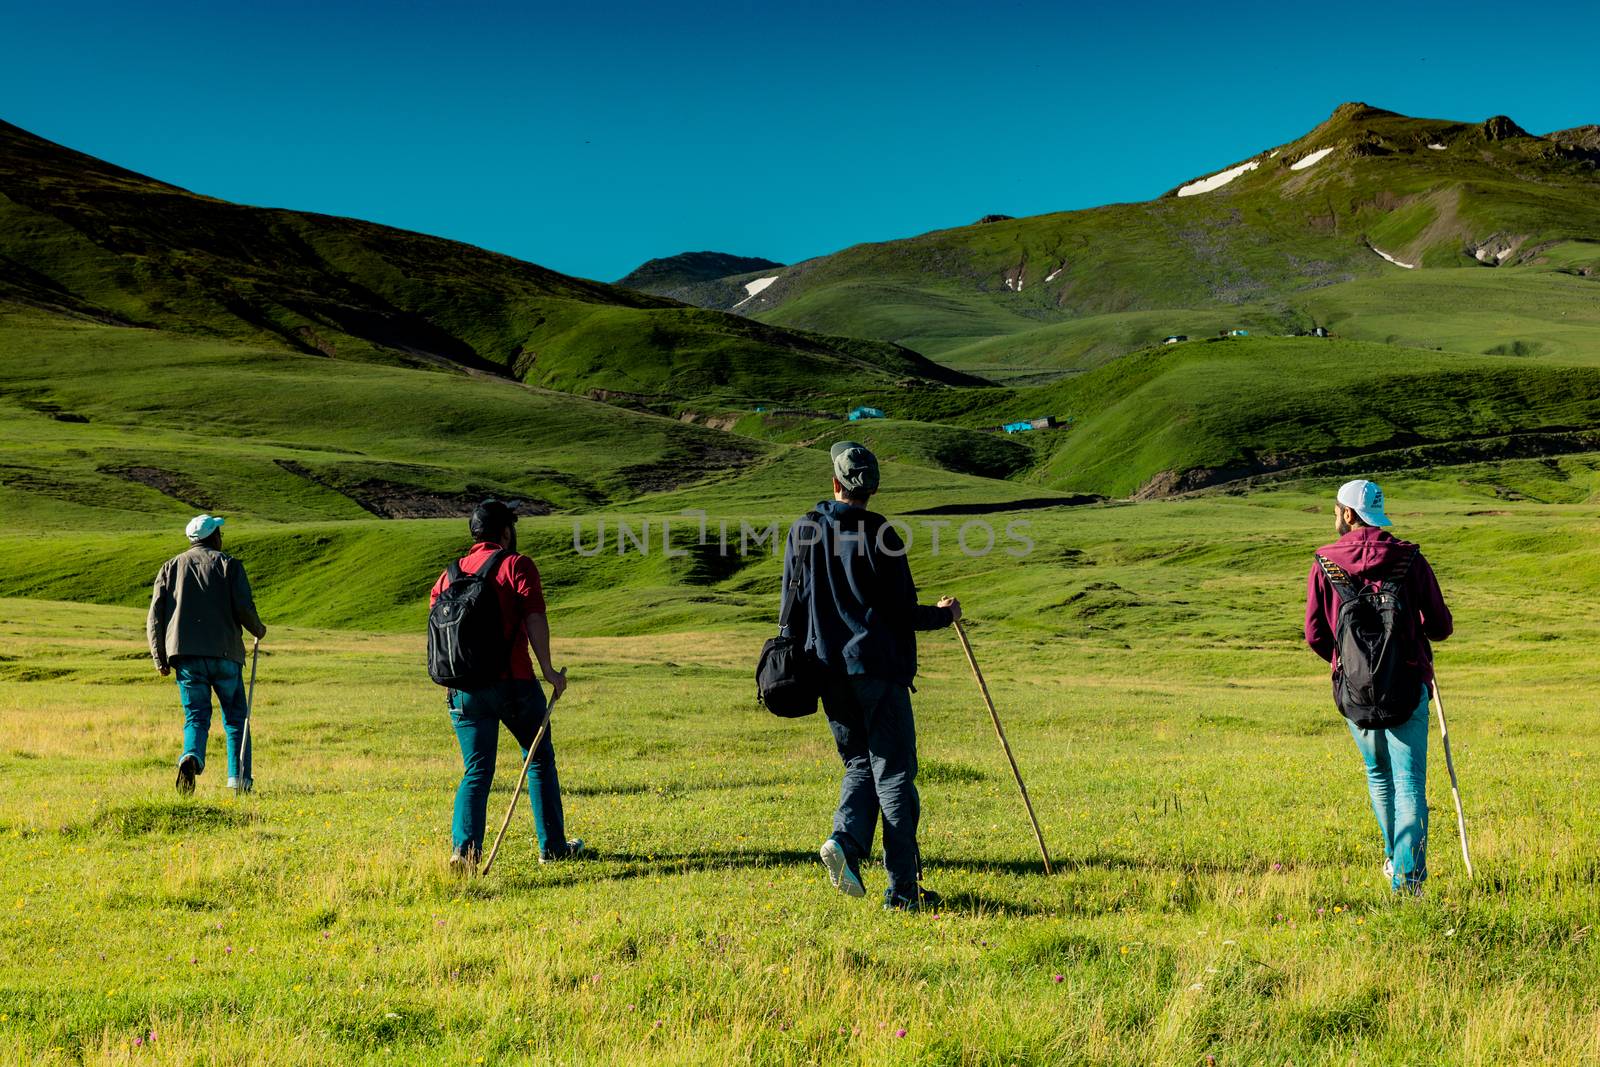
(589, 137)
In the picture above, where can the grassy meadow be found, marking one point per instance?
(1217, 892)
(343, 392)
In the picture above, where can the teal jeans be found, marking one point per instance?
(198, 677)
(1397, 779)
(477, 716)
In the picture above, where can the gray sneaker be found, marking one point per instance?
(845, 876)
(574, 851)
(241, 788)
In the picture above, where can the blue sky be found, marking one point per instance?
(590, 137)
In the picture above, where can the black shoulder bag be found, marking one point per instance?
(788, 678)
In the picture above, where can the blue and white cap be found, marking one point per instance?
(201, 527)
(1366, 499)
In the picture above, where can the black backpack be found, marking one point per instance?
(788, 678)
(467, 646)
(1379, 680)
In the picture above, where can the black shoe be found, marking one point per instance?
(188, 767)
(925, 900)
(573, 851)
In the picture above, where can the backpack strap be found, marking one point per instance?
(492, 564)
(1338, 577)
(1402, 568)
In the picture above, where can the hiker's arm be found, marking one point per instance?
(244, 604)
(1318, 636)
(529, 593)
(537, 627)
(788, 566)
(155, 625)
(903, 591)
(1437, 623)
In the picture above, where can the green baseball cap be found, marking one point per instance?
(855, 467)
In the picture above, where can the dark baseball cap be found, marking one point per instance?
(855, 467)
(492, 516)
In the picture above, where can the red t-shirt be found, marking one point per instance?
(517, 584)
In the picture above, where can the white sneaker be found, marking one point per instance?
(1388, 871)
(843, 878)
(241, 789)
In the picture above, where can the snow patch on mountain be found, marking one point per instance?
(1217, 181)
(1311, 160)
(1391, 259)
(753, 290)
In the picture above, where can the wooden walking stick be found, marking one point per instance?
(966, 646)
(516, 791)
(1455, 790)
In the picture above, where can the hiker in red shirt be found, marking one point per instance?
(514, 698)
(1373, 606)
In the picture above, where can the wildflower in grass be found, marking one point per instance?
(1057, 977)
(1277, 868)
(138, 1042)
(900, 1032)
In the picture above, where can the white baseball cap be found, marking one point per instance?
(201, 527)
(1366, 499)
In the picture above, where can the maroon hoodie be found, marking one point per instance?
(1368, 553)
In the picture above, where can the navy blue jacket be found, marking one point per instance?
(857, 603)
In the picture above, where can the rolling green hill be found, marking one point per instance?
(83, 237)
(1367, 197)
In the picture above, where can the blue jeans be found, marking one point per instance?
(198, 677)
(477, 715)
(1397, 779)
(876, 735)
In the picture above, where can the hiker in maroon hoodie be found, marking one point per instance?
(1372, 607)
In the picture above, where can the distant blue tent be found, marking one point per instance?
(866, 413)
(1017, 427)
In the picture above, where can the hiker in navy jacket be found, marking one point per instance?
(861, 618)
(1396, 757)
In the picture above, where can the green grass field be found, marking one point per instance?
(1217, 892)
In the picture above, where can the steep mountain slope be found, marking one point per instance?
(1367, 194)
(81, 236)
(705, 279)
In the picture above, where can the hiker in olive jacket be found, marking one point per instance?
(200, 600)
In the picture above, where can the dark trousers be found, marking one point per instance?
(877, 737)
(477, 716)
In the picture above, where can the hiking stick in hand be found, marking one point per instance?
(966, 646)
(516, 792)
(1455, 790)
(249, 707)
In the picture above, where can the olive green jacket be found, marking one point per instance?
(200, 600)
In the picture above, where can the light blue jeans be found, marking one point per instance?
(1397, 779)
